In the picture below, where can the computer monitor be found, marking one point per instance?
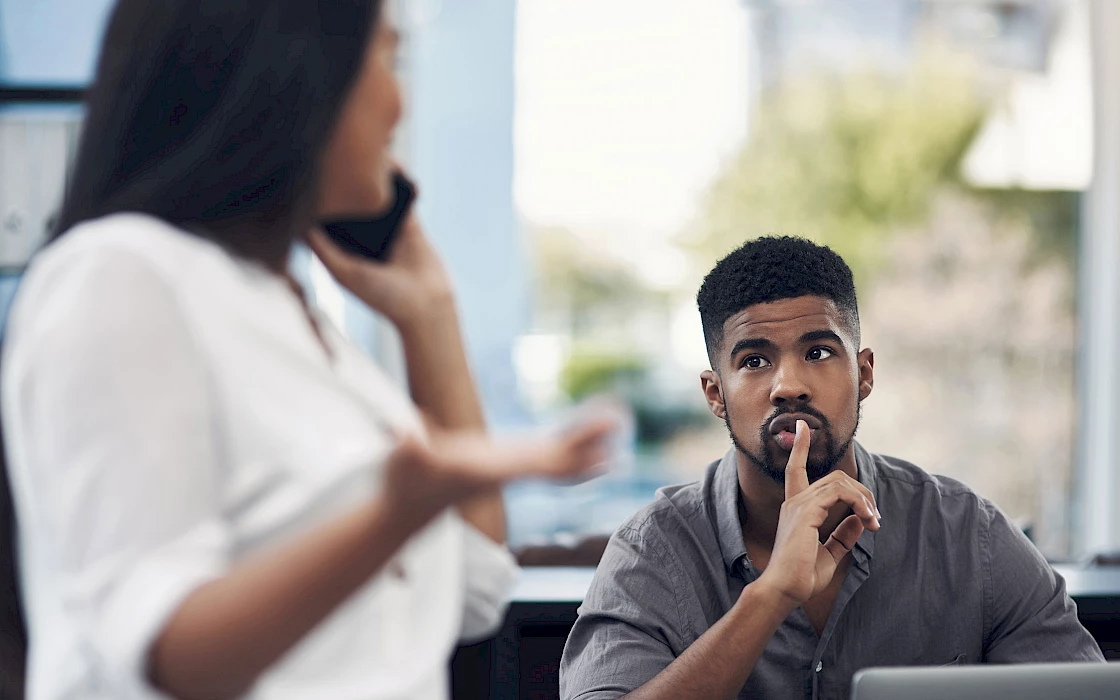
(1084, 681)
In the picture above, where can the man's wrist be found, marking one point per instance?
(759, 594)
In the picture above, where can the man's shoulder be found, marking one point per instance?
(674, 508)
(910, 487)
(897, 473)
(667, 551)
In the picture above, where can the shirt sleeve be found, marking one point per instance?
(628, 626)
(1029, 616)
(119, 450)
(490, 573)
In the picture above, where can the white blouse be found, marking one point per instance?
(169, 412)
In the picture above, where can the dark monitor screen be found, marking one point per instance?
(539, 649)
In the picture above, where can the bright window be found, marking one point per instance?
(941, 148)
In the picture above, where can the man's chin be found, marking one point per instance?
(772, 460)
(818, 458)
(774, 466)
(818, 471)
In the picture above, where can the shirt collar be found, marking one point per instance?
(727, 497)
(866, 467)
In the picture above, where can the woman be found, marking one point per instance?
(217, 495)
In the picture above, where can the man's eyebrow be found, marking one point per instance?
(823, 334)
(752, 344)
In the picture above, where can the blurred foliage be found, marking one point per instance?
(591, 370)
(844, 160)
(1052, 218)
(655, 423)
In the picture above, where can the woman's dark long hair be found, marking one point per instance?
(211, 115)
(13, 632)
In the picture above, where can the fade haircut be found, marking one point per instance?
(769, 269)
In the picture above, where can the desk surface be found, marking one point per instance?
(562, 584)
(1102, 582)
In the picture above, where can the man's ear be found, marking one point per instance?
(866, 361)
(713, 393)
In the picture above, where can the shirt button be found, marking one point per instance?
(820, 665)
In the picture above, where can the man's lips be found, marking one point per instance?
(784, 428)
(786, 437)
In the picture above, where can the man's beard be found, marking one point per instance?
(816, 469)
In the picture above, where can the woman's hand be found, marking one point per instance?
(410, 288)
(421, 480)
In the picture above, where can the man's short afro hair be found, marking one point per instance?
(769, 269)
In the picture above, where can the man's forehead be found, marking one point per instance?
(795, 313)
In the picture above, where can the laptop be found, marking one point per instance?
(1084, 681)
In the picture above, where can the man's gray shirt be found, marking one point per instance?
(947, 580)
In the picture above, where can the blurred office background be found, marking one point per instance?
(583, 164)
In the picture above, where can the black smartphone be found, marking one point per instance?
(373, 238)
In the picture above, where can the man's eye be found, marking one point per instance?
(817, 354)
(756, 362)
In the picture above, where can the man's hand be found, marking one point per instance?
(800, 566)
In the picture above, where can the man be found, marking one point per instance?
(723, 588)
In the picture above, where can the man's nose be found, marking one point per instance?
(789, 387)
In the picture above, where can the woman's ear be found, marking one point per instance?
(713, 393)
(866, 361)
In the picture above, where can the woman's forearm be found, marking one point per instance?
(414, 292)
(439, 376)
(442, 385)
(231, 630)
